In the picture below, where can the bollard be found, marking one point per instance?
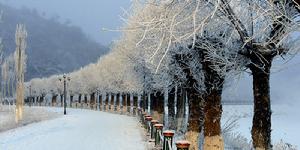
(142, 117)
(148, 121)
(183, 145)
(139, 111)
(121, 108)
(153, 122)
(158, 129)
(128, 109)
(134, 111)
(115, 107)
(145, 121)
(168, 137)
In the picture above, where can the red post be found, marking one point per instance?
(148, 119)
(158, 129)
(153, 122)
(168, 138)
(145, 121)
(183, 145)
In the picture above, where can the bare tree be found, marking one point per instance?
(20, 66)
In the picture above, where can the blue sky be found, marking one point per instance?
(90, 15)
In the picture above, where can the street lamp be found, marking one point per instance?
(65, 79)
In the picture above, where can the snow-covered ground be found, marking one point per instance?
(31, 115)
(284, 89)
(285, 122)
(78, 130)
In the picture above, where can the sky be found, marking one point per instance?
(91, 15)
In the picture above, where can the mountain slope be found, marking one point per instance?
(52, 47)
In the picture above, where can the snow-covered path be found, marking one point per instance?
(79, 130)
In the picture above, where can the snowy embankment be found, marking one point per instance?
(285, 122)
(78, 130)
(31, 115)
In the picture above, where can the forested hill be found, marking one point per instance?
(52, 47)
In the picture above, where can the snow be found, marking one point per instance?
(79, 129)
(285, 85)
(285, 122)
(31, 115)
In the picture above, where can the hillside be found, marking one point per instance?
(52, 47)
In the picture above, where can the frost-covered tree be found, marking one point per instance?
(194, 46)
(20, 67)
(266, 30)
(168, 32)
(223, 33)
(111, 75)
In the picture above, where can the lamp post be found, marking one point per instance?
(65, 79)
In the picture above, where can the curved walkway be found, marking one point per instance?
(78, 130)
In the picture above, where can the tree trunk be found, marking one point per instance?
(139, 100)
(104, 100)
(176, 93)
(180, 110)
(145, 100)
(100, 101)
(194, 122)
(109, 101)
(166, 108)
(131, 103)
(117, 101)
(41, 100)
(212, 121)
(85, 99)
(195, 111)
(124, 101)
(171, 109)
(92, 100)
(71, 100)
(149, 103)
(127, 103)
(261, 128)
(158, 107)
(61, 100)
(213, 82)
(135, 104)
(79, 98)
(54, 98)
(153, 104)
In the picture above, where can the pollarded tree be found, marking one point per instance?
(266, 29)
(180, 23)
(256, 32)
(157, 40)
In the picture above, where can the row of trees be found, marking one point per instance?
(172, 50)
